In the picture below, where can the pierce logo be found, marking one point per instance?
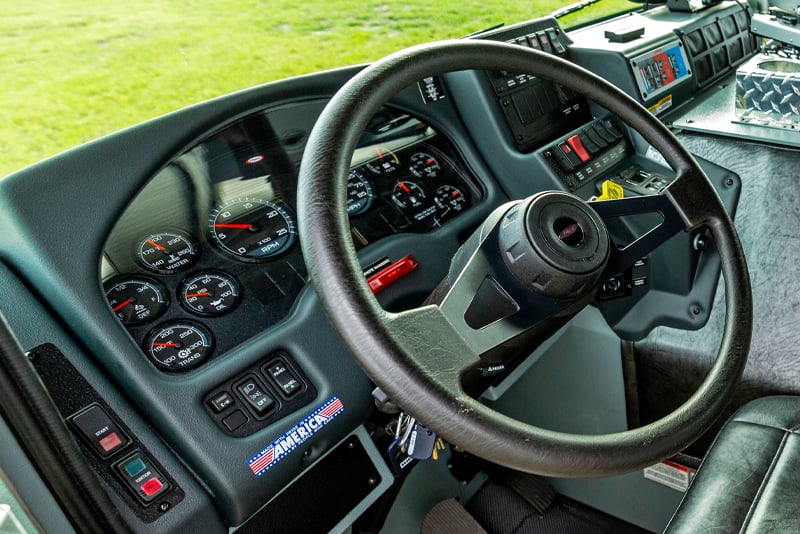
(292, 438)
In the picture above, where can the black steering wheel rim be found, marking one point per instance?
(387, 345)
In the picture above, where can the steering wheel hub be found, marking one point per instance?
(555, 244)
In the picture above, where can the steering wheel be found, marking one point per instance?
(421, 357)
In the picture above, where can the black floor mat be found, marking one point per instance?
(502, 511)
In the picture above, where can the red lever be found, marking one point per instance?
(577, 146)
(391, 274)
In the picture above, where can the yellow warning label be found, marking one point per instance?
(611, 190)
(662, 105)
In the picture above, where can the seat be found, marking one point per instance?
(750, 479)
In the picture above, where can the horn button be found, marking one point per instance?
(555, 244)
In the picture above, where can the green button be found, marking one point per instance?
(134, 467)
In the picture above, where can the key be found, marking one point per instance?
(421, 442)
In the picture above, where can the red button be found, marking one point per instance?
(577, 146)
(151, 487)
(392, 274)
(110, 442)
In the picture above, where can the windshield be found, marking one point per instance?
(75, 70)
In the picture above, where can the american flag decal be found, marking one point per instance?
(292, 438)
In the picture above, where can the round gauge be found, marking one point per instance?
(252, 229)
(209, 293)
(137, 300)
(167, 252)
(424, 166)
(179, 345)
(386, 163)
(407, 194)
(359, 193)
(450, 200)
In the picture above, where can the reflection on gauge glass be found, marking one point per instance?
(450, 199)
(424, 166)
(137, 300)
(252, 228)
(167, 252)
(209, 293)
(359, 193)
(407, 194)
(179, 345)
(387, 162)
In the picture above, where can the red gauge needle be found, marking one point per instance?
(122, 305)
(430, 161)
(380, 154)
(159, 247)
(243, 226)
(203, 294)
(164, 345)
(404, 186)
(455, 194)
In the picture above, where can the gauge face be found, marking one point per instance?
(210, 293)
(137, 300)
(424, 166)
(386, 163)
(407, 194)
(179, 345)
(252, 229)
(359, 193)
(450, 200)
(167, 252)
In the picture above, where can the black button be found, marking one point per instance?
(100, 431)
(603, 133)
(234, 420)
(141, 477)
(609, 126)
(566, 157)
(254, 394)
(588, 144)
(596, 139)
(556, 42)
(221, 401)
(284, 378)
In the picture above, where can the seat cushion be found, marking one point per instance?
(750, 479)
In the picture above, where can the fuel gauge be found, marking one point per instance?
(137, 300)
(407, 194)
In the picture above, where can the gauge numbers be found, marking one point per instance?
(252, 229)
(137, 300)
(359, 193)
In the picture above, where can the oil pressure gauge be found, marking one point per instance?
(209, 293)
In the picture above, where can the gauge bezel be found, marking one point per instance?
(232, 280)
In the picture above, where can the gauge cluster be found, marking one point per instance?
(207, 254)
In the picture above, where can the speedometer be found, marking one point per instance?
(252, 229)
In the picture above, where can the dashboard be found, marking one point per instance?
(211, 241)
(178, 303)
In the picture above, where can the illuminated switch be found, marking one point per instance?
(100, 431)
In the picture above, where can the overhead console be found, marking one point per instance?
(663, 58)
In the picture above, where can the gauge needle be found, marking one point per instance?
(122, 305)
(243, 226)
(430, 161)
(380, 154)
(159, 247)
(455, 194)
(203, 294)
(164, 345)
(404, 187)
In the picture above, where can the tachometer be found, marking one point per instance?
(252, 229)
(167, 252)
(209, 293)
(137, 300)
(359, 193)
(179, 345)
